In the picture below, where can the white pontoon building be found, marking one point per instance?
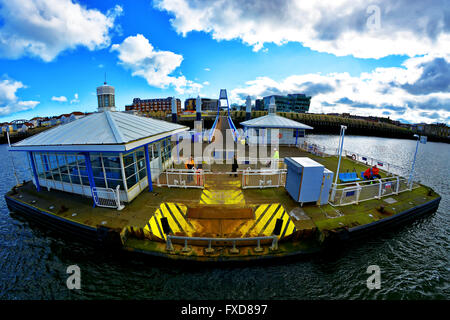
(103, 150)
(265, 129)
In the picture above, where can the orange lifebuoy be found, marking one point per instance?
(280, 135)
(354, 156)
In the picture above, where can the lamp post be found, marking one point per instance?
(414, 161)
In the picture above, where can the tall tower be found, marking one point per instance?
(248, 108)
(106, 98)
(198, 108)
(174, 110)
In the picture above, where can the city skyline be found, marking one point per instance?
(350, 57)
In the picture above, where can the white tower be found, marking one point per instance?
(106, 98)
(174, 110)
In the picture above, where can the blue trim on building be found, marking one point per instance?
(149, 169)
(47, 168)
(90, 174)
(33, 167)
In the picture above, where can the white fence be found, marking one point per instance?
(385, 166)
(315, 149)
(107, 197)
(263, 178)
(184, 178)
(353, 193)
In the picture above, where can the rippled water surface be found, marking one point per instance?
(414, 259)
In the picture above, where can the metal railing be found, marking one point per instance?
(107, 197)
(353, 193)
(314, 149)
(263, 178)
(184, 178)
(209, 249)
(383, 165)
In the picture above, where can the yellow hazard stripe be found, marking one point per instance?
(268, 229)
(186, 227)
(263, 219)
(288, 226)
(155, 227)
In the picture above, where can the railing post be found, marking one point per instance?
(185, 248)
(379, 189)
(169, 246)
(209, 249)
(234, 250)
(119, 205)
(398, 185)
(258, 246)
(274, 246)
(358, 192)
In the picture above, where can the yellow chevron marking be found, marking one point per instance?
(180, 217)
(155, 226)
(269, 229)
(222, 197)
(172, 222)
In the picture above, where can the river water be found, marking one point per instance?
(414, 259)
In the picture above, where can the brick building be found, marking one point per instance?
(148, 105)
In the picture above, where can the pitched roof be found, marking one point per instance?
(101, 129)
(274, 121)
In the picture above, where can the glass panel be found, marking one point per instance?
(131, 181)
(140, 154)
(99, 182)
(141, 164)
(111, 161)
(142, 174)
(112, 183)
(96, 161)
(128, 159)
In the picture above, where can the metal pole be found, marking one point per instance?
(12, 160)
(414, 161)
(341, 140)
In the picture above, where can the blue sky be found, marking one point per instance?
(54, 53)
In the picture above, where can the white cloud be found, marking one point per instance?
(384, 91)
(137, 54)
(206, 83)
(342, 27)
(75, 98)
(45, 28)
(207, 69)
(9, 102)
(59, 99)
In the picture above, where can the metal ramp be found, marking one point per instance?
(223, 123)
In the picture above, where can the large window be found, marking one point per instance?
(71, 168)
(135, 168)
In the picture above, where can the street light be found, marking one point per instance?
(422, 139)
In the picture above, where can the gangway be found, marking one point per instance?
(223, 123)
